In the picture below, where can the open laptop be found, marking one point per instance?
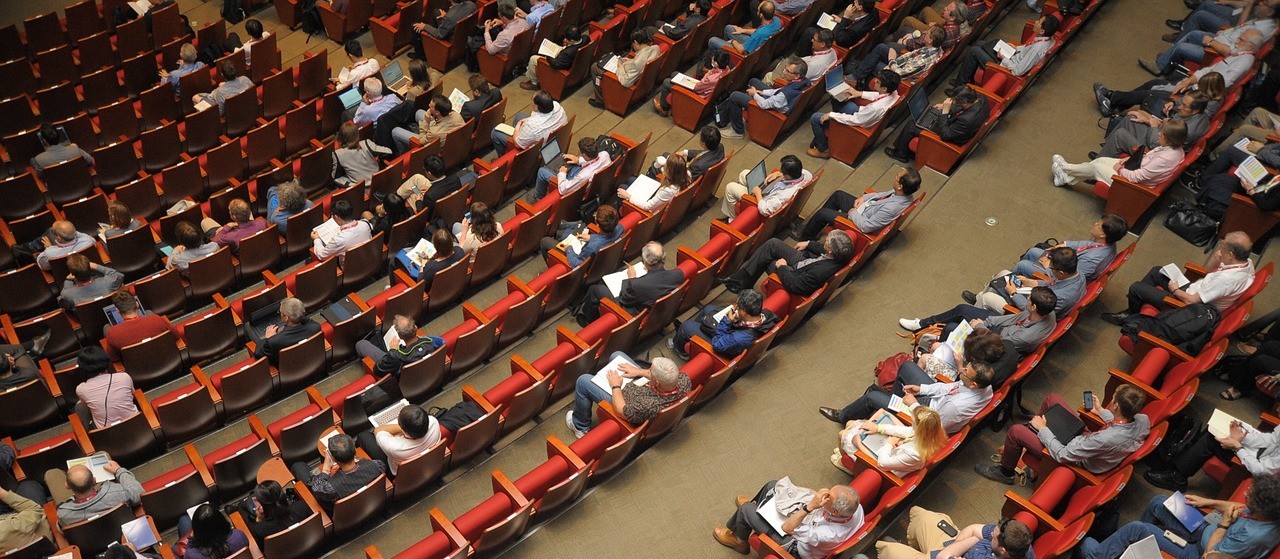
(260, 319)
(395, 79)
(755, 178)
(552, 157)
(113, 314)
(836, 86)
(389, 415)
(349, 98)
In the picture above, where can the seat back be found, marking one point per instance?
(93, 536)
(475, 437)
(490, 259)
(504, 532)
(357, 508)
(22, 196)
(347, 332)
(298, 230)
(521, 318)
(24, 291)
(416, 473)
(530, 233)
(27, 408)
(169, 502)
(363, 263)
(448, 285)
(130, 441)
(615, 455)
(161, 292)
(670, 416)
(297, 541)
(473, 347)
(153, 360)
(662, 312)
(298, 441)
(420, 379)
(301, 363)
(211, 274)
(488, 119)
(68, 181)
(526, 404)
(62, 339)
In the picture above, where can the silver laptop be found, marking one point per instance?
(552, 157)
(755, 178)
(836, 86)
(389, 415)
(395, 79)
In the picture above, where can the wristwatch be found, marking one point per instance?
(617, 387)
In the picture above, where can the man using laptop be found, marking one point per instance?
(374, 103)
(772, 191)
(134, 327)
(849, 112)
(408, 348)
(1123, 431)
(575, 172)
(414, 432)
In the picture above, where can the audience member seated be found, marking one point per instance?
(352, 232)
(1232, 68)
(742, 324)
(119, 221)
(411, 348)
(767, 97)
(962, 116)
(956, 402)
(355, 160)
(906, 448)
(746, 40)
(477, 228)
(1239, 530)
(23, 520)
(534, 129)
(392, 210)
(1092, 256)
(636, 293)
(930, 15)
(17, 367)
(359, 69)
(629, 68)
(817, 522)
(771, 196)
(576, 172)
(1255, 372)
(883, 96)
(982, 345)
(1193, 46)
(1065, 280)
(56, 150)
(414, 432)
(675, 178)
(853, 23)
(496, 36)
(688, 20)
(610, 230)
(60, 240)
(243, 225)
(87, 281)
(424, 190)
(801, 270)
(718, 66)
(234, 83)
(135, 328)
(294, 327)
(270, 509)
(1256, 127)
(700, 161)
(637, 402)
(1140, 128)
(902, 59)
(374, 103)
(187, 63)
(953, 20)
(1217, 181)
(483, 96)
(1230, 273)
(869, 212)
(434, 123)
(191, 246)
(208, 535)
(447, 254)
(1155, 166)
(1006, 539)
(790, 8)
(574, 39)
(1024, 57)
(253, 28)
(284, 201)
(1213, 16)
(1258, 452)
(89, 498)
(821, 59)
(340, 474)
(1026, 330)
(446, 21)
(1123, 431)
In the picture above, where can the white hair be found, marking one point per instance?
(844, 500)
(293, 309)
(665, 371)
(653, 254)
(373, 86)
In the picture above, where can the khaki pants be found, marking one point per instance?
(928, 16)
(209, 226)
(56, 481)
(923, 537)
(1100, 169)
(531, 71)
(733, 192)
(417, 181)
(1256, 127)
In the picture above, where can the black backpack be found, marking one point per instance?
(1071, 7)
(611, 146)
(233, 11)
(1189, 328)
(310, 22)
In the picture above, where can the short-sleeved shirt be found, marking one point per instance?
(816, 536)
(762, 34)
(400, 449)
(1223, 286)
(1246, 538)
(644, 402)
(982, 549)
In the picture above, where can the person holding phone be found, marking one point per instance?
(823, 521)
(933, 536)
(1242, 530)
(742, 324)
(1065, 280)
(271, 509)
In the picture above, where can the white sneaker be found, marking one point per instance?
(730, 133)
(1060, 177)
(568, 421)
(671, 343)
(911, 324)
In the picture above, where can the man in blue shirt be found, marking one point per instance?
(1243, 531)
(741, 325)
(1007, 539)
(768, 97)
(537, 11)
(745, 40)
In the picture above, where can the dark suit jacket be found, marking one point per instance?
(804, 281)
(645, 290)
(704, 160)
(961, 126)
(455, 13)
(288, 337)
(564, 60)
(848, 32)
(472, 109)
(440, 189)
(683, 27)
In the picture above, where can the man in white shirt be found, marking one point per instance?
(577, 171)
(414, 432)
(359, 69)
(1021, 61)
(532, 129)
(1230, 274)
(816, 65)
(851, 113)
(869, 212)
(778, 188)
(826, 519)
(61, 240)
(956, 402)
(1232, 68)
(351, 232)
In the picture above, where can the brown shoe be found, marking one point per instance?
(657, 108)
(531, 86)
(727, 539)
(831, 414)
(741, 500)
(814, 152)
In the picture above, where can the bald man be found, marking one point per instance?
(89, 498)
(60, 240)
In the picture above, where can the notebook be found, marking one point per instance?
(1189, 516)
(1004, 49)
(601, 377)
(837, 88)
(1145, 548)
(97, 464)
(877, 443)
(755, 178)
(612, 64)
(643, 188)
(827, 21)
(1220, 424)
(457, 98)
(549, 49)
(349, 98)
(138, 533)
(1251, 172)
(389, 415)
(421, 252)
(1062, 423)
(1174, 273)
(614, 281)
(684, 80)
(394, 76)
(327, 231)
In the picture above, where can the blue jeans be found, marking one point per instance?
(401, 136)
(717, 43)
(1189, 47)
(1029, 264)
(500, 140)
(732, 109)
(1155, 520)
(1206, 19)
(587, 394)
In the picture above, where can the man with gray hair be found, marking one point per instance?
(293, 328)
(802, 269)
(88, 498)
(1230, 273)
(817, 521)
(374, 103)
(60, 240)
(187, 63)
(408, 347)
(638, 402)
(645, 283)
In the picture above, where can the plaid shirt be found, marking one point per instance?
(953, 32)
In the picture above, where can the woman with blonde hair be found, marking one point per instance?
(906, 448)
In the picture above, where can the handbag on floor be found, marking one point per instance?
(1192, 223)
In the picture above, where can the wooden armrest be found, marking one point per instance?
(874, 464)
(566, 335)
(1146, 338)
(1126, 378)
(45, 371)
(402, 276)
(200, 376)
(368, 365)
(1195, 271)
(145, 407)
(685, 253)
(605, 410)
(612, 306)
(1269, 419)
(372, 552)
(521, 365)
(1174, 302)
(1024, 504)
(197, 462)
(359, 301)
(515, 284)
(81, 434)
(502, 484)
(556, 256)
(256, 425)
(722, 227)
(269, 278)
(305, 493)
(556, 447)
(471, 312)
(470, 394)
(628, 208)
(238, 523)
(441, 523)
(314, 395)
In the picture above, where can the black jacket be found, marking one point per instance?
(472, 109)
(440, 189)
(849, 32)
(701, 161)
(568, 54)
(804, 281)
(683, 27)
(645, 290)
(395, 359)
(961, 126)
(288, 337)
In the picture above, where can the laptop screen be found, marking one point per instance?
(756, 176)
(392, 73)
(113, 314)
(551, 153)
(835, 77)
(350, 98)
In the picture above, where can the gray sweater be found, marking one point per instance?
(125, 489)
(1018, 329)
(105, 282)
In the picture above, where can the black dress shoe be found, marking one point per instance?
(969, 297)
(595, 103)
(1093, 155)
(1191, 4)
(1116, 318)
(730, 285)
(831, 414)
(1167, 479)
(895, 155)
(39, 342)
(1174, 24)
(1151, 68)
(1169, 37)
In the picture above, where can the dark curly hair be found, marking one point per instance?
(1263, 498)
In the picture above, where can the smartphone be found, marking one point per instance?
(1088, 399)
(1175, 539)
(466, 216)
(947, 528)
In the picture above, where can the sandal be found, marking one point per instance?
(1231, 394)
(1245, 347)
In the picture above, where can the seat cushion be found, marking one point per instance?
(338, 397)
(167, 478)
(600, 437)
(230, 450)
(178, 394)
(290, 420)
(484, 515)
(502, 393)
(535, 483)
